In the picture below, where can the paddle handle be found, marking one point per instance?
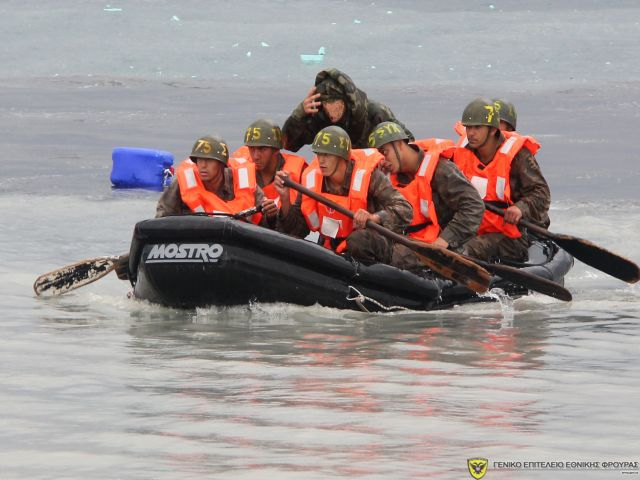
(543, 232)
(339, 208)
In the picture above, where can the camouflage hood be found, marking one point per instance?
(334, 84)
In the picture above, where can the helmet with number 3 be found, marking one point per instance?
(210, 146)
(263, 133)
(332, 140)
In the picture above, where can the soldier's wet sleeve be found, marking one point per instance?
(457, 203)
(259, 197)
(394, 210)
(529, 189)
(294, 222)
(170, 201)
(298, 130)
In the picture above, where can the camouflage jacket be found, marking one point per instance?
(529, 189)
(458, 205)
(382, 199)
(361, 114)
(170, 201)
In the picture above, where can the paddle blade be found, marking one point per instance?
(599, 258)
(454, 267)
(530, 281)
(74, 276)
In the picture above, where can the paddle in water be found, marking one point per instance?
(584, 250)
(87, 271)
(442, 261)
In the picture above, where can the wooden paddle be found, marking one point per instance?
(442, 261)
(526, 279)
(87, 271)
(584, 250)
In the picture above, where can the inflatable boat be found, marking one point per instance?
(198, 261)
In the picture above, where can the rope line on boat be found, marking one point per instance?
(359, 298)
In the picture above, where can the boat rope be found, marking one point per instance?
(360, 299)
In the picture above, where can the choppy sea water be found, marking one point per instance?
(96, 385)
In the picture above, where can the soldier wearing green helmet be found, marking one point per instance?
(205, 183)
(348, 176)
(507, 113)
(447, 210)
(503, 168)
(262, 146)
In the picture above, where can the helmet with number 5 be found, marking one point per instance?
(210, 146)
(332, 140)
(263, 133)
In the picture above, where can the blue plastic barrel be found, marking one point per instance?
(140, 167)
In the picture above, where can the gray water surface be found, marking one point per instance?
(96, 385)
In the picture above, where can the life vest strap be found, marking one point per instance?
(417, 227)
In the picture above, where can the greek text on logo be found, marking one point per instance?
(185, 252)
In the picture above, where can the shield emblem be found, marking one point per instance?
(477, 467)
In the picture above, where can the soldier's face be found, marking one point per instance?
(263, 156)
(391, 163)
(209, 169)
(328, 163)
(334, 109)
(477, 135)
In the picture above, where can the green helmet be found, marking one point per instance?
(210, 146)
(481, 112)
(506, 111)
(386, 132)
(332, 140)
(263, 133)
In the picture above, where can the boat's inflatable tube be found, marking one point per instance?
(191, 261)
(140, 168)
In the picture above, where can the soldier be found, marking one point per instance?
(504, 170)
(262, 144)
(348, 177)
(335, 100)
(208, 181)
(447, 210)
(508, 116)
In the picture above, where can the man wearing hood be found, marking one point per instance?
(335, 100)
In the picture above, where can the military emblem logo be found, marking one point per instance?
(477, 467)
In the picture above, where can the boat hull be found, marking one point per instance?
(197, 261)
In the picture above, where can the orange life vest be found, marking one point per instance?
(492, 180)
(328, 222)
(293, 165)
(199, 199)
(424, 226)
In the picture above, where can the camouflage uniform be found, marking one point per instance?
(458, 205)
(361, 114)
(530, 193)
(170, 202)
(364, 244)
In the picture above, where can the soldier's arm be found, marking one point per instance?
(170, 202)
(298, 130)
(529, 189)
(454, 196)
(394, 211)
(293, 223)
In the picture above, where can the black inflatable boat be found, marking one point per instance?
(198, 261)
